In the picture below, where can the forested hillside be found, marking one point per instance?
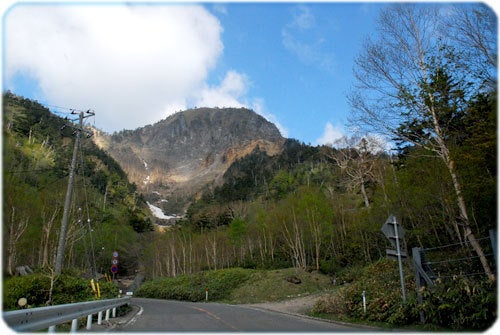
(322, 208)
(428, 83)
(106, 213)
(435, 97)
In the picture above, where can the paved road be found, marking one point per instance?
(167, 315)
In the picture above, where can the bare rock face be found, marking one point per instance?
(172, 160)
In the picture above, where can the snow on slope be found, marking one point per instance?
(157, 212)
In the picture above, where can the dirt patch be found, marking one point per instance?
(297, 305)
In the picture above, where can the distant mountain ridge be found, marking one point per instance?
(172, 160)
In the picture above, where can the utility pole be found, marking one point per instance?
(69, 192)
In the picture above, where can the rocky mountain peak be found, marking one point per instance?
(172, 160)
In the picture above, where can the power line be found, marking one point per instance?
(28, 171)
(455, 259)
(59, 107)
(454, 244)
(82, 167)
(69, 191)
(47, 107)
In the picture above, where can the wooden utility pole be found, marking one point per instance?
(69, 192)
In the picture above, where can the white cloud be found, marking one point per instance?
(132, 64)
(377, 143)
(339, 137)
(331, 134)
(228, 94)
(303, 18)
(219, 8)
(298, 37)
(231, 92)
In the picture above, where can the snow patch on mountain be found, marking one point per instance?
(157, 212)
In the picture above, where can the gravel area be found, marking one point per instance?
(298, 305)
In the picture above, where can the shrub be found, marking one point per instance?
(191, 287)
(461, 304)
(458, 304)
(66, 289)
(327, 266)
(34, 287)
(380, 281)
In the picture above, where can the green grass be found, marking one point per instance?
(271, 285)
(236, 286)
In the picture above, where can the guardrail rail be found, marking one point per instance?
(39, 318)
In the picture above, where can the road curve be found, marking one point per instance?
(176, 316)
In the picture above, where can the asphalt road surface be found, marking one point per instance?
(176, 316)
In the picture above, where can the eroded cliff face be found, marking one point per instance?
(174, 159)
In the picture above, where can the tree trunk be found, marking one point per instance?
(450, 164)
(365, 196)
(46, 230)
(468, 234)
(15, 232)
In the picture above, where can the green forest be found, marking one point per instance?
(313, 208)
(37, 151)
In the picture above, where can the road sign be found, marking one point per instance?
(394, 232)
(393, 254)
(114, 263)
(389, 230)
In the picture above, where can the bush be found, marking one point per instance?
(381, 284)
(66, 289)
(461, 304)
(457, 304)
(34, 287)
(327, 266)
(182, 287)
(220, 284)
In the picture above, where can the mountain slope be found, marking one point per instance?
(37, 152)
(172, 160)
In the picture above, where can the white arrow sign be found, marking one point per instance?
(393, 230)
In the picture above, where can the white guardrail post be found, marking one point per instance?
(38, 318)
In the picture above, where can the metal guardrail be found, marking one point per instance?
(38, 318)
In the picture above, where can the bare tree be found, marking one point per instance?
(294, 238)
(394, 77)
(47, 225)
(474, 29)
(16, 229)
(356, 158)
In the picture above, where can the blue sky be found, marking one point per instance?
(135, 65)
(299, 58)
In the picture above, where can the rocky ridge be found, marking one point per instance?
(173, 160)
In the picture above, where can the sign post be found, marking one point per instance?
(395, 232)
(114, 263)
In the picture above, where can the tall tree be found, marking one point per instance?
(357, 160)
(411, 85)
(16, 230)
(474, 29)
